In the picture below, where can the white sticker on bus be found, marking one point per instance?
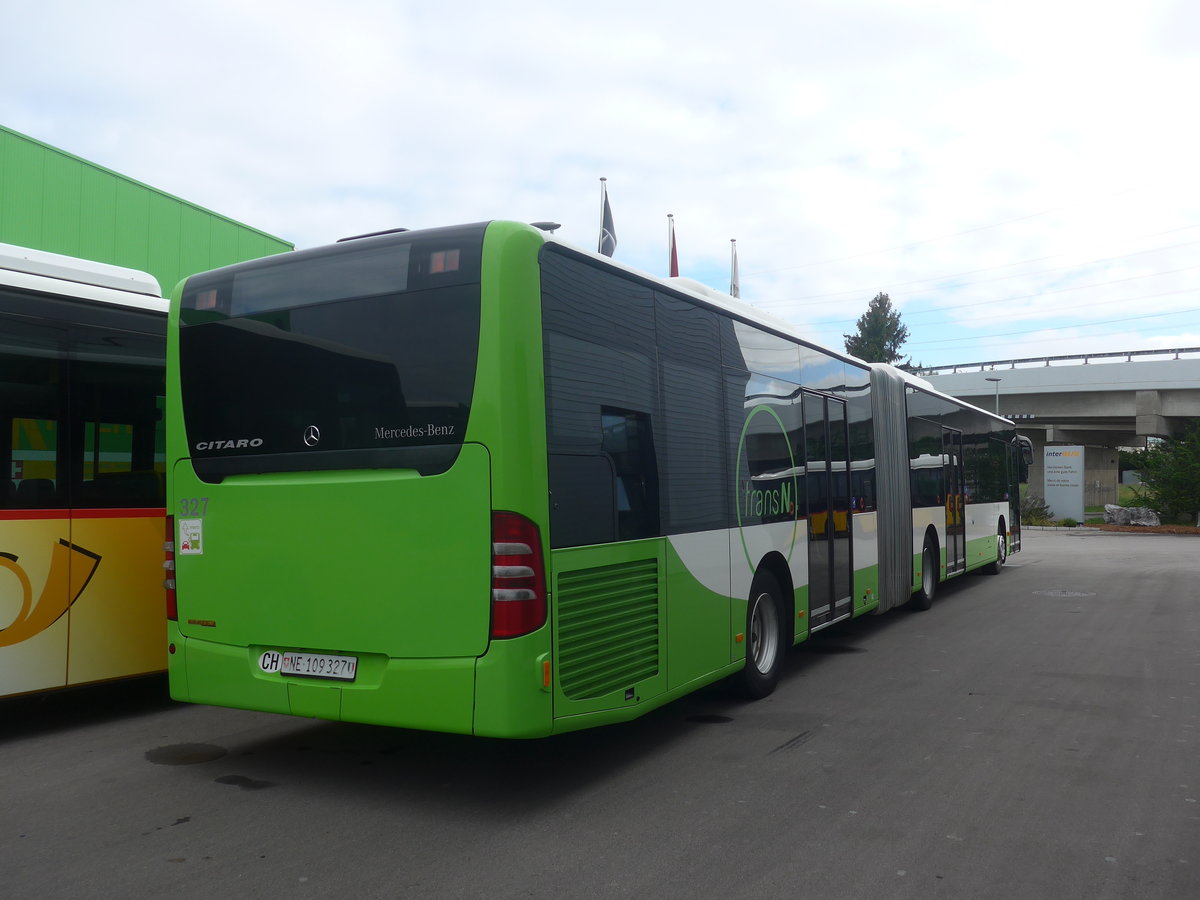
(191, 536)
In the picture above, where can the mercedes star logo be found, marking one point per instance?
(312, 435)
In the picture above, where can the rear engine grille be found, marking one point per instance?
(608, 630)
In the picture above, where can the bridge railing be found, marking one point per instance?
(1074, 359)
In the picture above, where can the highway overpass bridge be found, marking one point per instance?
(1102, 401)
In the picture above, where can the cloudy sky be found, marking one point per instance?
(1020, 177)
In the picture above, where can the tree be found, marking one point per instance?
(1170, 473)
(880, 333)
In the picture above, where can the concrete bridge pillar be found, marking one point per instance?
(1150, 421)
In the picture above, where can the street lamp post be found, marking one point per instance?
(996, 381)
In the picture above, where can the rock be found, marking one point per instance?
(1139, 515)
(1132, 515)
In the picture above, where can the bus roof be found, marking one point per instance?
(55, 273)
(738, 307)
(922, 385)
(712, 297)
(70, 268)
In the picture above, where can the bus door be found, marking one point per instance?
(35, 526)
(1020, 457)
(956, 528)
(828, 483)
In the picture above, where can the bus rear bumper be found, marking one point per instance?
(427, 694)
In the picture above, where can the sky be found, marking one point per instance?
(1022, 178)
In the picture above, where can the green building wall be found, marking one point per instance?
(53, 201)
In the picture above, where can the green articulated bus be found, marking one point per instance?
(476, 480)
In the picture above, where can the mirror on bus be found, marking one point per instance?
(1026, 446)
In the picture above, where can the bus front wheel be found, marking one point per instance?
(764, 638)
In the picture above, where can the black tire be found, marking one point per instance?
(994, 567)
(765, 643)
(923, 598)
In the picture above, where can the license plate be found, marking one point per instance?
(319, 665)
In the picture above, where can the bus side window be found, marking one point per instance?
(629, 444)
(583, 499)
(117, 417)
(33, 438)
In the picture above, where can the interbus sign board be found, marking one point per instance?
(1063, 467)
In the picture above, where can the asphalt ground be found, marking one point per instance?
(1035, 734)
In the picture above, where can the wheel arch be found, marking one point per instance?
(775, 565)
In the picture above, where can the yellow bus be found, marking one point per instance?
(82, 506)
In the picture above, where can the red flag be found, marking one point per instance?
(673, 261)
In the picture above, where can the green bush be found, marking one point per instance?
(1171, 475)
(1034, 510)
(1068, 523)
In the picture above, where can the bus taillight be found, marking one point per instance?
(169, 567)
(518, 576)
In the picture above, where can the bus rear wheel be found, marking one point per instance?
(923, 598)
(994, 567)
(764, 638)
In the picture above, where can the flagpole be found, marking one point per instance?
(672, 251)
(670, 240)
(735, 289)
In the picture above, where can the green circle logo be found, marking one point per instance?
(747, 496)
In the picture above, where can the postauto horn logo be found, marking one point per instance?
(71, 568)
